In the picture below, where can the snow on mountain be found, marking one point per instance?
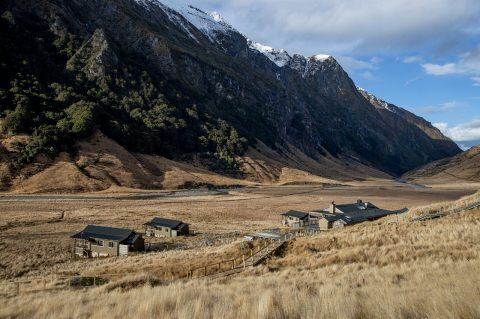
(321, 57)
(279, 57)
(375, 101)
(209, 24)
(212, 25)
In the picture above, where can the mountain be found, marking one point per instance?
(175, 81)
(461, 168)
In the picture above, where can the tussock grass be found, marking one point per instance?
(445, 206)
(373, 270)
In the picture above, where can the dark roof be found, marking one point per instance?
(164, 222)
(132, 239)
(102, 232)
(355, 208)
(296, 213)
(332, 218)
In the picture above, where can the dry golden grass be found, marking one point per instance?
(385, 269)
(34, 237)
(445, 206)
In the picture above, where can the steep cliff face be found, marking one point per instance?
(265, 94)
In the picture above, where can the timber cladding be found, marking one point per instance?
(100, 241)
(162, 227)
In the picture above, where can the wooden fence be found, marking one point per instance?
(446, 213)
(215, 270)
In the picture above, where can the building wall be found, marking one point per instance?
(96, 250)
(105, 250)
(294, 221)
(138, 245)
(152, 231)
(324, 224)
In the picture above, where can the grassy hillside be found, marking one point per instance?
(460, 168)
(391, 268)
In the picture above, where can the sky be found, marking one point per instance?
(423, 55)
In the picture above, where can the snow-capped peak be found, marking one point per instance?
(279, 57)
(321, 57)
(210, 24)
(217, 17)
(375, 101)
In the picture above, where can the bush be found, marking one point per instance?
(17, 121)
(81, 117)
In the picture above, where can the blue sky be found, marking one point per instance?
(423, 55)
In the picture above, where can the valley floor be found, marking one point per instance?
(390, 268)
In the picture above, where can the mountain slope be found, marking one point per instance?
(181, 83)
(464, 167)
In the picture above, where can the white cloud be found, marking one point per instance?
(350, 26)
(467, 63)
(410, 81)
(464, 132)
(352, 64)
(364, 68)
(368, 75)
(412, 59)
(437, 69)
(476, 80)
(442, 108)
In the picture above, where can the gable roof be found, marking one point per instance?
(164, 222)
(103, 232)
(355, 208)
(296, 213)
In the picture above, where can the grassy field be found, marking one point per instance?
(390, 268)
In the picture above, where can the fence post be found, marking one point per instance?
(205, 271)
(18, 288)
(219, 264)
(94, 281)
(251, 253)
(233, 263)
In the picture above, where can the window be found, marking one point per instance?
(100, 243)
(110, 244)
(166, 229)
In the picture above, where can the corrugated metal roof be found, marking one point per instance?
(103, 232)
(296, 213)
(164, 222)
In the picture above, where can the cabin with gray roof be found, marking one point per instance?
(163, 227)
(338, 216)
(102, 241)
(295, 218)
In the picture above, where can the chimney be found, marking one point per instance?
(332, 208)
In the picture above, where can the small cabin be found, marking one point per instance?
(101, 241)
(294, 218)
(163, 227)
